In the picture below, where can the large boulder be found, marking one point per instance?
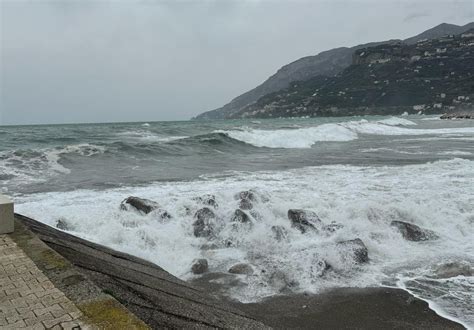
(412, 232)
(357, 249)
(140, 204)
(304, 220)
(242, 268)
(200, 266)
(207, 200)
(204, 223)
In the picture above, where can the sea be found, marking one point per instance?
(357, 173)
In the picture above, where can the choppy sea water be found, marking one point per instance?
(361, 173)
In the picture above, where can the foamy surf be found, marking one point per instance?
(437, 196)
(337, 132)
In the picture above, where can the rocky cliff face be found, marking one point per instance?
(431, 76)
(328, 63)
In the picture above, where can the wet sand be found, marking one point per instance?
(348, 308)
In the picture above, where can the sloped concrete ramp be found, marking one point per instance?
(148, 291)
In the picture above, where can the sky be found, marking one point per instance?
(75, 61)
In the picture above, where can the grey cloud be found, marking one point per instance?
(96, 61)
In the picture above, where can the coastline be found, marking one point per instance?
(341, 308)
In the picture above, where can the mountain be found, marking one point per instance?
(328, 63)
(430, 76)
(443, 29)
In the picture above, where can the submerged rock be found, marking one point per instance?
(247, 198)
(240, 216)
(280, 233)
(412, 232)
(281, 281)
(247, 194)
(208, 199)
(203, 226)
(162, 214)
(359, 251)
(320, 268)
(140, 204)
(63, 224)
(332, 227)
(303, 220)
(245, 204)
(243, 269)
(200, 266)
(453, 269)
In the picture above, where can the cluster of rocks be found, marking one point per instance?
(206, 224)
(458, 115)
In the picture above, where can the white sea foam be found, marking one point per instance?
(396, 121)
(438, 196)
(147, 136)
(292, 138)
(344, 131)
(456, 153)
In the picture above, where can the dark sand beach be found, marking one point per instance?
(349, 308)
(341, 308)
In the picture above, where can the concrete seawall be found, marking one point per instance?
(6, 215)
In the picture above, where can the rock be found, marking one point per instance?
(163, 214)
(246, 198)
(209, 200)
(458, 115)
(243, 269)
(303, 220)
(359, 250)
(280, 233)
(280, 280)
(320, 268)
(412, 232)
(203, 226)
(332, 227)
(247, 194)
(209, 246)
(245, 204)
(453, 269)
(140, 204)
(200, 266)
(63, 225)
(241, 216)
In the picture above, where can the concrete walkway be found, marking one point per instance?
(28, 299)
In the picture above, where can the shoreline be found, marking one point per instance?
(342, 308)
(338, 308)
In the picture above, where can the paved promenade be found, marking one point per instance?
(28, 299)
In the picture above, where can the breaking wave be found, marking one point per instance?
(292, 138)
(340, 132)
(38, 165)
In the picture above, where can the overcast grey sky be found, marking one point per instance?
(102, 61)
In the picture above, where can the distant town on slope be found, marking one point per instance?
(432, 72)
